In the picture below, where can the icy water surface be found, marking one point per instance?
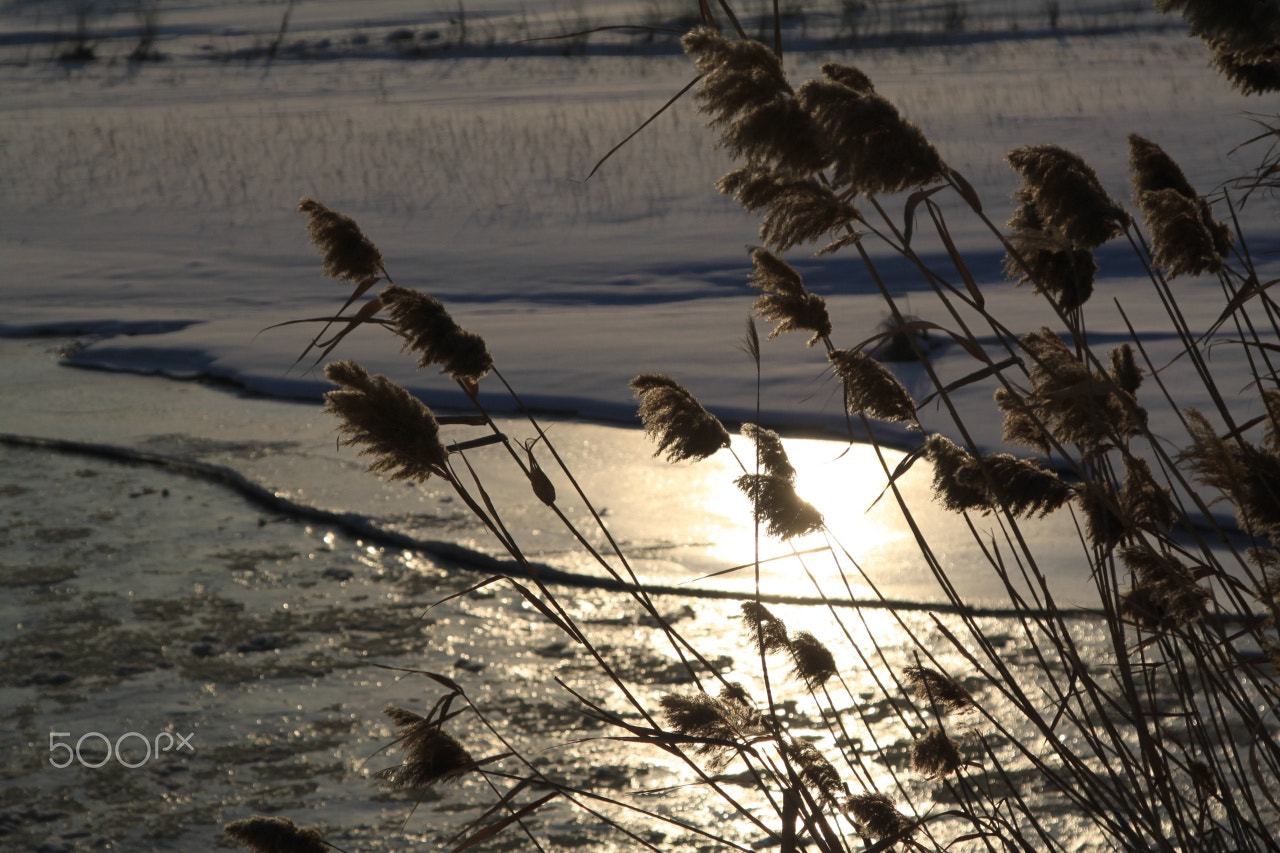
(140, 601)
(167, 585)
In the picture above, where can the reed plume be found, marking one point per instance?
(784, 300)
(847, 75)
(697, 715)
(958, 481)
(963, 482)
(1267, 588)
(348, 254)
(1186, 240)
(1022, 486)
(751, 104)
(275, 835)
(1125, 371)
(814, 664)
(1271, 429)
(1075, 405)
(767, 632)
(770, 454)
(1021, 425)
(1164, 595)
(1244, 23)
(876, 816)
(1105, 524)
(676, 420)
(1181, 241)
(871, 389)
(776, 505)
(431, 754)
(1064, 192)
(386, 422)
(725, 721)
(1142, 499)
(1153, 169)
(875, 150)
(1253, 72)
(1047, 260)
(1243, 35)
(935, 754)
(815, 772)
(429, 331)
(941, 692)
(1247, 474)
(793, 210)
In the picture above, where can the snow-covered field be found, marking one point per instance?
(148, 225)
(148, 197)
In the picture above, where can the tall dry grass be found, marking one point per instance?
(1166, 740)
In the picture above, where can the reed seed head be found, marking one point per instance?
(958, 481)
(1153, 169)
(746, 94)
(1164, 595)
(1023, 487)
(348, 254)
(275, 835)
(814, 771)
(1104, 521)
(1185, 239)
(1021, 426)
(870, 388)
(1252, 71)
(676, 420)
(784, 300)
(714, 54)
(728, 718)
(941, 692)
(766, 631)
(1241, 25)
(1066, 195)
(386, 422)
(1125, 371)
(814, 663)
(770, 454)
(1048, 262)
(935, 754)
(847, 75)
(964, 482)
(696, 714)
(1271, 432)
(877, 817)
(1144, 500)
(429, 331)
(1248, 475)
(1075, 405)
(1267, 587)
(777, 506)
(1214, 462)
(430, 753)
(795, 210)
(1257, 495)
(875, 150)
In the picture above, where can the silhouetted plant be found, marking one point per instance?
(1165, 738)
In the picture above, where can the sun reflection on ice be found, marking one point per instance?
(870, 546)
(846, 484)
